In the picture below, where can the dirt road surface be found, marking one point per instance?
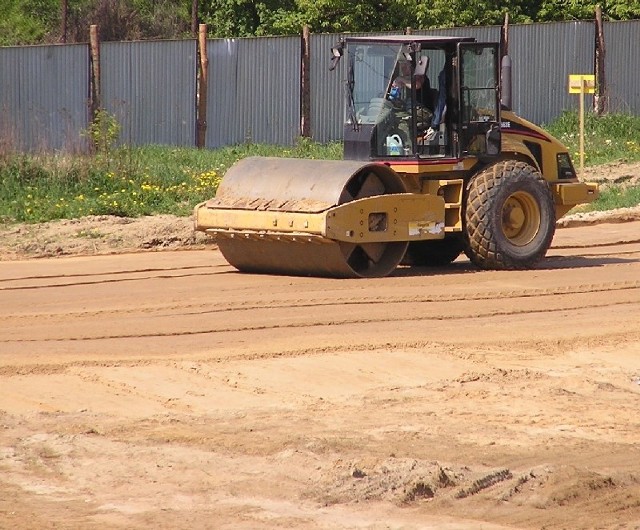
(165, 390)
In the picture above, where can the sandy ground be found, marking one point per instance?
(146, 389)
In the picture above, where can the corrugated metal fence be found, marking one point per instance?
(254, 91)
(43, 97)
(151, 87)
(623, 65)
(254, 85)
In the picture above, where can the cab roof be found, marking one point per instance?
(408, 39)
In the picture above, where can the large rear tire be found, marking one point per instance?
(509, 217)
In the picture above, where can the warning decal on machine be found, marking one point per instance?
(417, 228)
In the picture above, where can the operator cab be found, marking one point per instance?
(421, 97)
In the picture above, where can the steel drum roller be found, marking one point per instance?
(301, 185)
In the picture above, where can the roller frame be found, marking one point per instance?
(409, 217)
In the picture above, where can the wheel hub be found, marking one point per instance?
(520, 218)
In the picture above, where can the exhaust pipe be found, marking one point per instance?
(505, 81)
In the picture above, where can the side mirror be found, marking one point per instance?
(336, 54)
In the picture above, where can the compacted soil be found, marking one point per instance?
(163, 389)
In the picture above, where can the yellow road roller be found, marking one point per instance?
(435, 164)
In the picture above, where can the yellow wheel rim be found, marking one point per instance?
(520, 218)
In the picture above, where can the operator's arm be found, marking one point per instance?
(402, 81)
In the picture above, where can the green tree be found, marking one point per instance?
(129, 20)
(333, 16)
(584, 10)
(243, 18)
(39, 21)
(27, 22)
(450, 13)
(228, 18)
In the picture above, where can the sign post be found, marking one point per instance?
(582, 84)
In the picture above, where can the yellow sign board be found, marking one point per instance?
(584, 81)
(582, 84)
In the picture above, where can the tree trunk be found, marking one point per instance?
(194, 18)
(64, 12)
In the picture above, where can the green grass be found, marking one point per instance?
(613, 197)
(127, 182)
(609, 138)
(132, 182)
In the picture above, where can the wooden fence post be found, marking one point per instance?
(305, 84)
(203, 78)
(600, 102)
(95, 100)
(504, 37)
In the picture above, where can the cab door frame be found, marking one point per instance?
(478, 81)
